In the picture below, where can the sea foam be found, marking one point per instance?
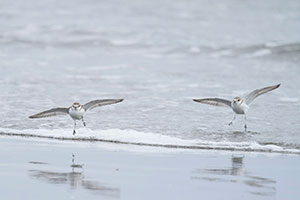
(132, 137)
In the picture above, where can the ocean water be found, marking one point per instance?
(158, 55)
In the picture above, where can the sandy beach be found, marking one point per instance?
(44, 169)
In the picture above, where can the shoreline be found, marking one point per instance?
(169, 146)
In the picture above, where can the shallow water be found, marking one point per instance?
(158, 56)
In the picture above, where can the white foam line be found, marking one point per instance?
(132, 137)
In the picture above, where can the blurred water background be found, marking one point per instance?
(158, 55)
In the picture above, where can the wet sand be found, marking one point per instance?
(45, 169)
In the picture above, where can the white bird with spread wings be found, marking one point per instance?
(239, 105)
(76, 111)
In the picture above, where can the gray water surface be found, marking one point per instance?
(158, 55)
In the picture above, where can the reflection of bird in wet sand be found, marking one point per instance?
(75, 179)
(76, 111)
(237, 167)
(239, 105)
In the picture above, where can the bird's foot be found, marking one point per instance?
(74, 132)
(230, 123)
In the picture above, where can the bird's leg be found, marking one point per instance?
(74, 127)
(230, 123)
(83, 122)
(245, 126)
(73, 163)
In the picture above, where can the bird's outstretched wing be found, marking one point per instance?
(101, 102)
(252, 95)
(214, 101)
(51, 112)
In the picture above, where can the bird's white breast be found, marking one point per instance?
(239, 108)
(76, 114)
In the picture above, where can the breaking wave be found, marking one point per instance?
(88, 38)
(132, 137)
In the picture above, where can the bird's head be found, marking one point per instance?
(76, 106)
(238, 100)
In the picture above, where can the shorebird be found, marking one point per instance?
(239, 105)
(76, 111)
